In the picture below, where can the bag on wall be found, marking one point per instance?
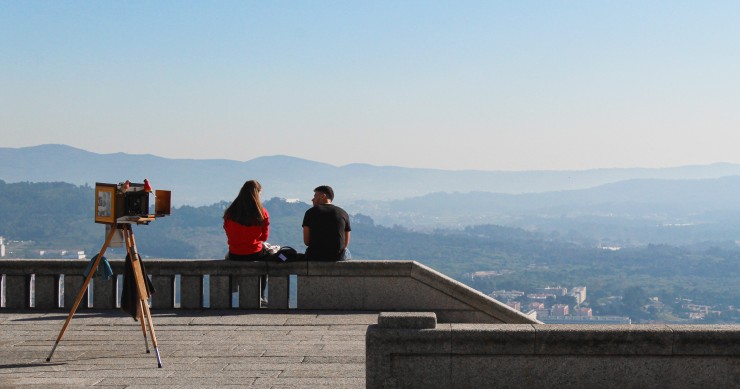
(285, 254)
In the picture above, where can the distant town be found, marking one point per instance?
(560, 305)
(28, 249)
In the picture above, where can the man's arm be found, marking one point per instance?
(346, 239)
(306, 235)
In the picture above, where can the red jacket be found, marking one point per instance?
(244, 240)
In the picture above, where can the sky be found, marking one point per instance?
(456, 85)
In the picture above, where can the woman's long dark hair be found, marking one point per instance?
(246, 209)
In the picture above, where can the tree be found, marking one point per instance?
(633, 299)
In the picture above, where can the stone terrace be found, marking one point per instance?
(260, 349)
(317, 341)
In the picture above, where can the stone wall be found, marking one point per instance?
(343, 286)
(411, 350)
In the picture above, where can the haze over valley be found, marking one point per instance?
(660, 236)
(680, 205)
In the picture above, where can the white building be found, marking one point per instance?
(579, 292)
(556, 290)
(2, 246)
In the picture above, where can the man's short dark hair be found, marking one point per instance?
(327, 190)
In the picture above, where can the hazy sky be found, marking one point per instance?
(489, 85)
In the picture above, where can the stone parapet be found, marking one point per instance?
(399, 354)
(336, 286)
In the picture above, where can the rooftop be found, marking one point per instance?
(213, 348)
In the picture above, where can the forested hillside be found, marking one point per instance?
(60, 216)
(55, 213)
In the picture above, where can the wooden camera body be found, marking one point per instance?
(127, 202)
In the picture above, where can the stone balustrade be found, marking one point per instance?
(412, 350)
(338, 286)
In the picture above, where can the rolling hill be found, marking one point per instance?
(202, 182)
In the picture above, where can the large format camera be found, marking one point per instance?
(127, 201)
(135, 202)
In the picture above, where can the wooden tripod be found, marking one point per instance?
(143, 295)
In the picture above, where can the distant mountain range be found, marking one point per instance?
(655, 201)
(203, 182)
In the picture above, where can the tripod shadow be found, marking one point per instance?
(62, 315)
(29, 365)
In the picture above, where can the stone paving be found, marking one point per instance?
(256, 349)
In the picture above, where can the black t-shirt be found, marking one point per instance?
(327, 225)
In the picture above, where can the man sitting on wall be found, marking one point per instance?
(326, 228)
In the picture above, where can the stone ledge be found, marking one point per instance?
(377, 285)
(374, 268)
(410, 320)
(473, 298)
(557, 339)
(706, 339)
(547, 355)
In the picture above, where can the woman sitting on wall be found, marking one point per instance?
(247, 226)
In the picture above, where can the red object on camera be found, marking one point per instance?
(147, 186)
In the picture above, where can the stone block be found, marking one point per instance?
(164, 298)
(492, 339)
(539, 356)
(603, 339)
(473, 299)
(220, 292)
(17, 291)
(199, 267)
(420, 371)
(249, 291)
(333, 292)
(434, 278)
(706, 339)
(526, 371)
(72, 286)
(103, 296)
(191, 291)
(287, 268)
(702, 371)
(383, 344)
(46, 291)
(361, 268)
(403, 293)
(409, 320)
(465, 316)
(277, 292)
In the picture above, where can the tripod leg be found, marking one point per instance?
(143, 326)
(148, 314)
(131, 249)
(82, 291)
(143, 295)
